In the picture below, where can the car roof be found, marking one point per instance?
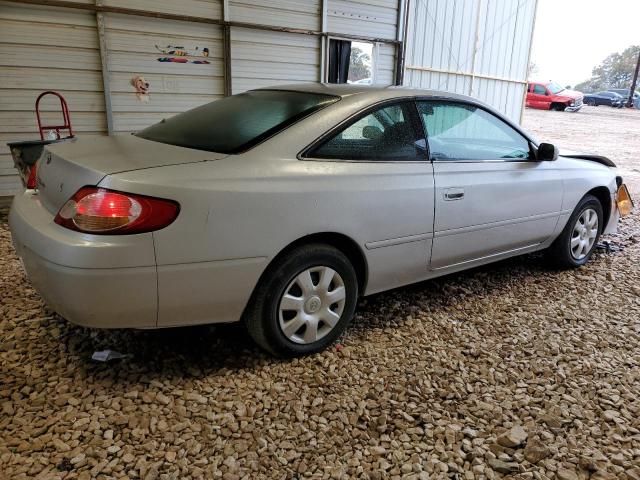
(371, 92)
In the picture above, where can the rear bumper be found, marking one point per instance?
(114, 282)
(106, 282)
(96, 297)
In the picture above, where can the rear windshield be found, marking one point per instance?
(237, 123)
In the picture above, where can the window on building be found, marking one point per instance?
(458, 131)
(350, 62)
(385, 134)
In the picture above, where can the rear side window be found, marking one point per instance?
(385, 134)
(237, 123)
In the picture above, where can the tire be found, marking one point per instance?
(564, 252)
(558, 107)
(591, 103)
(267, 317)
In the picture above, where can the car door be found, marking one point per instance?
(540, 99)
(529, 99)
(381, 162)
(491, 199)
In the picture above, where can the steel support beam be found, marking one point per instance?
(401, 47)
(104, 60)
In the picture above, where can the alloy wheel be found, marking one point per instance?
(584, 234)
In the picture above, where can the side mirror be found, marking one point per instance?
(547, 152)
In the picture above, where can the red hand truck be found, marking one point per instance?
(65, 117)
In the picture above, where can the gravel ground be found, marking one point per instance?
(511, 370)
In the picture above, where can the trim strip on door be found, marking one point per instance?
(483, 226)
(398, 241)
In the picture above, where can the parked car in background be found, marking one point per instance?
(301, 199)
(612, 99)
(624, 92)
(551, 96)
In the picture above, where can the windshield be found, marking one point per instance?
(555, 88)
(237, 123)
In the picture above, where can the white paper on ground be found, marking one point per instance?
(106, 355)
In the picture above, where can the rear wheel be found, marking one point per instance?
(591, 103)
(578, 240)
(304, 301)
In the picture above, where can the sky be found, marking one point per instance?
(573, 36)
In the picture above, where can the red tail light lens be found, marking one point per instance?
(107, 212)
(31, 176)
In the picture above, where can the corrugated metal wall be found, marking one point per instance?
(443, 53)
(262, 58)
(44, 48)
(195, 8)
(372, 18)
(134, 47)
(279, 13)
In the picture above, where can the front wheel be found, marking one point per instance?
(303, 302)
(578, 240)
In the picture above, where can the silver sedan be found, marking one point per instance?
(280, 207)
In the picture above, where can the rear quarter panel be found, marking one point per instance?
(243, 207)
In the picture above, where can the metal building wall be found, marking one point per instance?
(133, 48)
(43, 48)
(474, 47)
(279, 13)
(260, 58)
(211, 9)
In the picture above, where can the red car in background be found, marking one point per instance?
(551, 96)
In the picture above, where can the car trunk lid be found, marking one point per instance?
(66, 167)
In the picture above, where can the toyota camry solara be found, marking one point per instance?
(280, 207)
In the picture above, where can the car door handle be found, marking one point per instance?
(454, 194)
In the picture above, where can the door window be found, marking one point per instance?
(540, 90)
(385, 134)
(457, 131)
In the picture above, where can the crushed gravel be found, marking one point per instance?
(508, 371)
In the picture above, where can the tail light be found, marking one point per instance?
(108, 212)
(31, 173)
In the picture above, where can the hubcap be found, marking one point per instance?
(584, 234)
(311, 305)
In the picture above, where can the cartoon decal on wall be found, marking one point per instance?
(142, 88)
(179, 54)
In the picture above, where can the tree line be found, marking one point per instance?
(616, 71)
